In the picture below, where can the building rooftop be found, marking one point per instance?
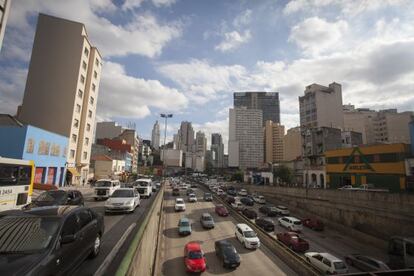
(101, 157)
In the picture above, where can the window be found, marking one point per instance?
(44, 148)
(86, 52)
(71, 225)
(30, 145)
(86, 141)
(93, 87)
(90, 113)
(84, 218)
(85, 155)
(84, 65)
(78, 108)
(88, 127)
(97, 62)
(74, 137)
(80, 94)
(91, 100)
(82, 79)
(72, 153)
(95, 75)
(76, 123)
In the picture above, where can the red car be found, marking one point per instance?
(194, 259)
(222, 211)
(293, 241)
(313, 224)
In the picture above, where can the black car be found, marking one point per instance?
(270, 211)
(232, 192)
(176, 192)
(247, 201)
(50, 240)
(266, 224)
(230, 199)
(226, 252)
(249, 213)
(55, 198)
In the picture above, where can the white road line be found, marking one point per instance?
(101, 270)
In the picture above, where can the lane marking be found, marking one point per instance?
(102, 268)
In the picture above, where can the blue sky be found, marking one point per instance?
(187, 57)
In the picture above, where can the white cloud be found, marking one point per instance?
(160, 3)
(233, 40)
(220, 126)
(12, 83)
(243, 19)
(315, 35)
(132, 4)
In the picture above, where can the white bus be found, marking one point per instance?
(144, 187)
(16, 183)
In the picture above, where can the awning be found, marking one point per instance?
(74, 172)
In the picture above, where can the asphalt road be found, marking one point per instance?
(253, 262)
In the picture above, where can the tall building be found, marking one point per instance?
(62, 88)
(201, 143)
(245, 138)
(292, 143)
(321, 106)
(155, 136)
(360, 120)
(4, 14)
(268, 102)
(273, 142)
(109, 130)
(131, 138)
(217, 150)
(186, 137)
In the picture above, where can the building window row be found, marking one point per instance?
(84, 65)
(86, 52)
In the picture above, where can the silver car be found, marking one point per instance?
(207, 221)
(123, 200)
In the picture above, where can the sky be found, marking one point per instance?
(187, 57)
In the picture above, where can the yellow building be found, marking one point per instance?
(381, 165)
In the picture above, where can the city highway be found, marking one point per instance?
(253, 262)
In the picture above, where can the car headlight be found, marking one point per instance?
(129, 202)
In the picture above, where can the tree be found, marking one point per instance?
(237, 176)
(285, 174)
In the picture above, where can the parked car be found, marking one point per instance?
(232, 192)
(265, 223)
(190, 191)
(326, 263)
(249, 213)
(192, 198)
(69, 234)
(237, 205)
(314, 224)
(293, 241)
(227, 254)
(123, 200)
(291, 223)
(208, 197)
(105, 187)
(221, 210)
(365, 263)
(184, 227)
(194, 259)
(259, 199)
(179, 205)
(55, 198)
(242, 192)
(282, 210)
(268, 210)
(246, 236)
(176, 192)
(247, 201)
(207, 221)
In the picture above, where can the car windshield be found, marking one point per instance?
(195, 255)
(103, 184)
(207, 195)
(207, 218)
(184, 223)
(26, 234)
(229, 250)
(52, 196)
(339, 265)
(297, 222)
(179, 201)
(123, 193)
(249, 234)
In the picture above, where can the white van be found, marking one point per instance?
(144, 187)
(105, 187)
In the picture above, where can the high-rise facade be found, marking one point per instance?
(273, 142)
(131, 138)
(268, 102)
(62, 87)
(200, 143)
(108, 130)
(217, 150)
(292, 143)
(186, 137)
(321, 106)
(155, 136)
(245, 138)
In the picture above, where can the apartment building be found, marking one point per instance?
(273, 142)
(268, 102)
(292, 143)
(200, 143)
(108, 130)
(62, 88)
(217, 150)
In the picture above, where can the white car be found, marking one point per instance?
(259, 199)
(246, 236)
(220, 192)
(123, 200)
(192, 198)
(326, 263)
(242, 192)
(105, 187)
(238, 205)
(291, 223)
(179, 205)
(282, 210)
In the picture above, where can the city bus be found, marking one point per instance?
(16, 183)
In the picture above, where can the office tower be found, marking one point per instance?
(292, 143)
(217, 150)
(268, 102)
(201, 143)
(62, 88)
(155, 136)
(245, 138)
(273, 142)
(186, 137)
(4, 14)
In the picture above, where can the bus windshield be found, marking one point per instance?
(143, 183)
(11, 175)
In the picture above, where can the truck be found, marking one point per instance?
(144, 187)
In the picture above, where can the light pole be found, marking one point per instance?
(165, 116)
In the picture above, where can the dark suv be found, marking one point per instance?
(55, 198)
(51, 240)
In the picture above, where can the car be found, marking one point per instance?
(207, 221)
(293, 241)
(230, 199)
(249, 213)
(184, 227)
(123, 200)
(242, 192)
(221, 210)
(37, 238)
(259, 199)
(247, 201)
(227, 254)
(55, 198)
(232, 192)
(179, 204)
(314, 224)
(265, 223)
(326, 263)
(246, 236)
(190, 191)
(365, 263)
(193, 185)
(208, 197)
(220, 192)
(346, 187)
(105, 187)
(282, 210)
(291, 223)
(176, 192)
(192, 198)
(194, 259)
(268, 210)
(237, 205)
(157, 185)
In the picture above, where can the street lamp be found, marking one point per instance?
(165, 116)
